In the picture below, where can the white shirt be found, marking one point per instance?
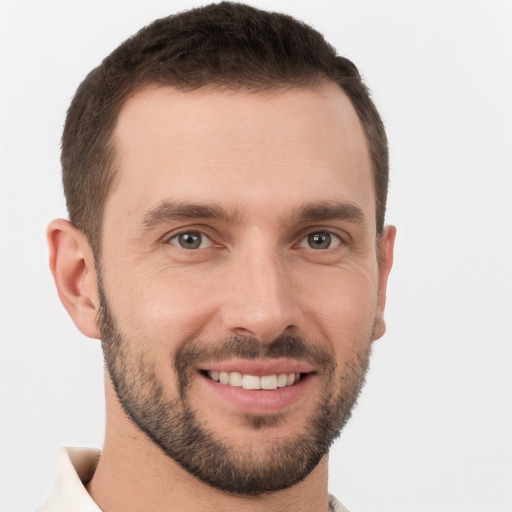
(76, 468)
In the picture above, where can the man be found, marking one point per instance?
(226, 178)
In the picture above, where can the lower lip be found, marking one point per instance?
(253, 401)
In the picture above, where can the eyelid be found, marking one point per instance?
(343, 236)
(206, 241)
(204, 231)
(188, 228)
(336, 239)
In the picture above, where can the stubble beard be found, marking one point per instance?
(173, 425)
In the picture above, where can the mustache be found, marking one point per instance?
(290, 346)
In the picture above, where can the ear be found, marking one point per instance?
(385, 252)
(72, 266)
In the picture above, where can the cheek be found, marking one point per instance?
(343, 306)
(170, 305)
(163, 305)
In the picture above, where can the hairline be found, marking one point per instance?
(112, 167)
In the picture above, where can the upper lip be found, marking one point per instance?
(259, 367)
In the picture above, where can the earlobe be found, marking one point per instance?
(72, 266)
(386, 249)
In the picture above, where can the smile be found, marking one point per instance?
(246, 381)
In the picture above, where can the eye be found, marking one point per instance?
(320, 240)
(190, 240)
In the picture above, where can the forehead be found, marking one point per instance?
(208, 146)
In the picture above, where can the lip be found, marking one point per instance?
(259, 402)
(259, 367)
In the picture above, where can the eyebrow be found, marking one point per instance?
(327, 210)
(168, 211)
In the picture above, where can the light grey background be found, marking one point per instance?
(433, 428)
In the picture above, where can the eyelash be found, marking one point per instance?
(332, 238)
(327, 236)
(176, 237)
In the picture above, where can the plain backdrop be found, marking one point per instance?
(433, 427)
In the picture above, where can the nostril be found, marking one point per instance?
(243, 331)
(261, 317)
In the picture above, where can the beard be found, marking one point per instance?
(177, 429)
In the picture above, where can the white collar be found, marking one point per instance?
(76, 467)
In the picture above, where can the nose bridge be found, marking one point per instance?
(261, 302)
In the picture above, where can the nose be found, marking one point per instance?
(261, 298)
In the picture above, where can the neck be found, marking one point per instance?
(133, 474)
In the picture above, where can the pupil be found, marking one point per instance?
(320, 240)
(190, 240)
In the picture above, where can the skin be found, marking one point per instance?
(263, 156)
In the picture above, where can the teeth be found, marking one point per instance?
(251, 382)
(267, 382)
(235, 379)
(282, 380)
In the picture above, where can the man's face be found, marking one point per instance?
(239, 252)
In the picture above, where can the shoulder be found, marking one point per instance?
(335, 505)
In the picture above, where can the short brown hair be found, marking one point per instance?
(226, 45)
